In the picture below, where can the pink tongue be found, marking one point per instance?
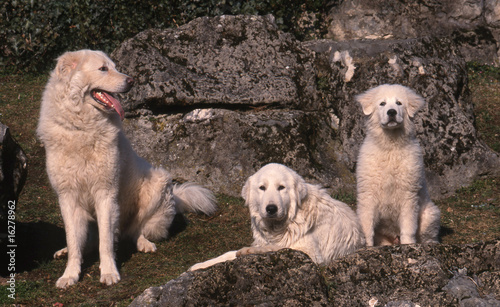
(116, 105)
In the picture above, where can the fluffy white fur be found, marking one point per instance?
(393, 202)
(287, 212)
(94, 170)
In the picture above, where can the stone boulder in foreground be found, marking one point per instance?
(407, 275)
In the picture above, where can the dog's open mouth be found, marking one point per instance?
(108, 101)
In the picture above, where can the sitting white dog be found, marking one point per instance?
(95, 171)
(287, 212)
(393, 202)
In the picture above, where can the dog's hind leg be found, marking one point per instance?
(156, 210)
(430, 216)
(90, 245)
(156, 226)
(76, 221)
(63, 252)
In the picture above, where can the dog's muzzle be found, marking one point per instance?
(392, 121)
(129, 82)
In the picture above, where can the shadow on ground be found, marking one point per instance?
(37, 243)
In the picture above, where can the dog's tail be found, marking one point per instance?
(190, 197)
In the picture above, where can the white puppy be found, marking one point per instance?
(393, 202)
(94, 170)
(287, 212)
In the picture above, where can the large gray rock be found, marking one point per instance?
(408, 275)
(227, 61)
(288, 278)
(219, 97)
(453, 154)
(13, 172)
(221, 148)
(425, 275)
(474, 25)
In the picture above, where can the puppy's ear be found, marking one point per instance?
(415, 102)
(66, 64)
(366, 100)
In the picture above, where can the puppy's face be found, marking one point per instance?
(389, 105)
(93, 76)
(274, 193)
(391, 112)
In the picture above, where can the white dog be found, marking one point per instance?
(287, 212)
(393, 202)
(95, 172)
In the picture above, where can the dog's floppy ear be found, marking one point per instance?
(366, 100)
(66, 64)
(297, 195)
(415, 102)
(246, 191)
(300, 189)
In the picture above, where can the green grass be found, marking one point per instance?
(485, 88)
(471, 215)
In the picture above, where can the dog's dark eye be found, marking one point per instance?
(382, 103)
(398, 102)
(103, 68)
(281, 188)
(263, 188)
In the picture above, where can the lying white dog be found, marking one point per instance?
(94, 170)
(287, 212)
(393, 202)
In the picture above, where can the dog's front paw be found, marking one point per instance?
(66, 281)
(62, 253)
(110, 279)
(257, 250)
(245, 251)
(145, 246)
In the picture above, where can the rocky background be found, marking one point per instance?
(220, 97)
(473, 25)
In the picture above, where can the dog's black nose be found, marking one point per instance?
(271, 209)
(130, 81)
(392, 112)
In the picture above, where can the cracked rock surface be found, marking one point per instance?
(220, 97)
